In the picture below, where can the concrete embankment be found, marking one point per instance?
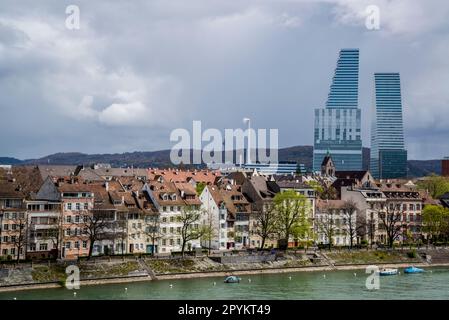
(107, 272)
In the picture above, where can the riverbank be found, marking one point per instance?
(170, 269)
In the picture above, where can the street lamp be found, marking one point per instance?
(248, 150)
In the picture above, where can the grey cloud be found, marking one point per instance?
(136, 70)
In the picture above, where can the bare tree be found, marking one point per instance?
(95, 227)
(391, 222)
(191, 228)
(350, 219)
(265, 224)
(326, 224)
(153, 230)
(20, 238)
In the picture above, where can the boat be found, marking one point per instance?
(232, 279)
(413, 269)
(388, 272)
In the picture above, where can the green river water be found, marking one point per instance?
(433, 284)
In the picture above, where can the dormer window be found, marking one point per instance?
(173, 197)
(165, 197)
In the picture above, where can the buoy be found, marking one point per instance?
(324, 276)
(15, 298)
(126, 289)
(171, 286)
(355, 274)
(74, 293)
(289, 277)
(215, 283)
(249, 280)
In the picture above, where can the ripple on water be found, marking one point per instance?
(302, 285)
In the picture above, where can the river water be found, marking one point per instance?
(434, 284)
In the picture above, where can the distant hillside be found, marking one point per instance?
(300, 154)
(8, 160)
(420, 168)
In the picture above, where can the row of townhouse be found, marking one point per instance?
(373, 209)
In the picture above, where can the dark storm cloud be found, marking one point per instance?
(136, 70)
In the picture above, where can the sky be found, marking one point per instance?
(136, 70)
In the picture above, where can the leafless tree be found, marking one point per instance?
(350, 210)
(191, 228)
(20, 237)
(153, 230)
(326, 224)
(265, 221)
(96, 225)
(391, 222)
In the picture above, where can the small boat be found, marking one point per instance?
(232, 279)
(413, 269)
(388, 272)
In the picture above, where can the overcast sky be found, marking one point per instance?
(135, 70)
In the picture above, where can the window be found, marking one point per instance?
(5, 238)
(139, 225)
(43, 247)
(172, 229)
(172, 219)
(5, 227)
(164, 219)
(86, 206)
(13, 238)
(84, 244)
(164, 230)
(178, 229)
(77, 219)
(13, 251)
(172, 208)
(68, 245)
(77, 244)
(164, 242)
(68, 219)
(32, 247)
(178, 242)
(412, 207)
(67, 232)
(164, 208)
(78, 206)
(69, 206)
(172, 242)
(5, 252)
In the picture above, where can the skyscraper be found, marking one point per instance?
(338, 125)
(388, 159)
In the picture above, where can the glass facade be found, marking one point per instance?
(388, 159)
(338, 126)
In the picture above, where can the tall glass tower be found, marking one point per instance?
(388, 159)
(338, 125)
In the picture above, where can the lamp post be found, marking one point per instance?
(248, 150)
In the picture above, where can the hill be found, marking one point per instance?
(161, 158)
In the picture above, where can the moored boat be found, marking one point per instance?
(232, 279)
(388, 272)
(413, 269)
